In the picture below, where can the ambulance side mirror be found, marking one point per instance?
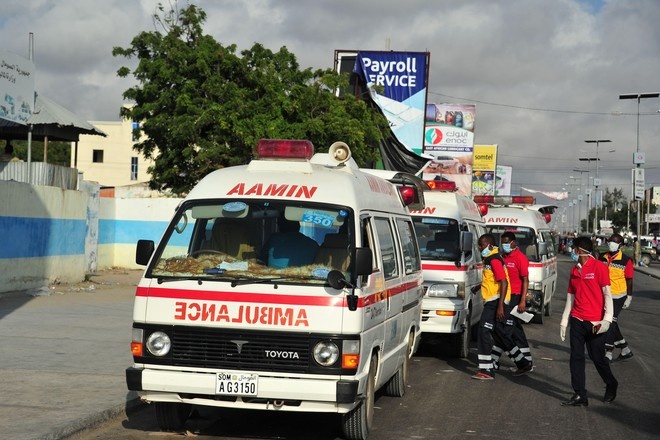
(336, 280)
(543, 248)
(466, 241)
(363, 261)
(143, 252)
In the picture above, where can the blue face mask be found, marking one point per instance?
(575, 257)
(485, 252)
(506, 247)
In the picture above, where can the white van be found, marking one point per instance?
(535, 239)
(447, 230)
(293, 283)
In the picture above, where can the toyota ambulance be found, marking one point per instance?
(293, 283)
(534, 237)
(447, 230)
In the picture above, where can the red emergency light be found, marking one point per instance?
(284, 149)
(441, 185)
(505, 200)
(407, 194)
(483, 209)
(547, 217)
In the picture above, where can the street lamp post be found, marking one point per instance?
(580, 198)
(638, 97)
(596, 180)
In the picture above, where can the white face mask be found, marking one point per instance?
(613, 246)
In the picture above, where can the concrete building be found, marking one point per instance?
(110, 161)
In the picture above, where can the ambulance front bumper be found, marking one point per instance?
(289, 393)
(443, 315)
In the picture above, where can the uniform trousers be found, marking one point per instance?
(582, 335)
(614, 337)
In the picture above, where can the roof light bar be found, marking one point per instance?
(505, 200)
(441, 185)
(284, 149)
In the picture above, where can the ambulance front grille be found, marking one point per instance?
(213, 348)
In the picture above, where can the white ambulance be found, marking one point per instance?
(293, 283)
(535, 239)
(447, 230)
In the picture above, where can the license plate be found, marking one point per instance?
(237, 384)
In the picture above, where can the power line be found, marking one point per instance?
(538, 109)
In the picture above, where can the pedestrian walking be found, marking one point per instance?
(588, 313)
(495, 291)
(622, 271)
(517, 266)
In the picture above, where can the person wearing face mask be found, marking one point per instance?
(495, 290)
(588, 312)
(622, 270)
(517, 266)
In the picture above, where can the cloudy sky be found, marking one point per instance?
(545, 75)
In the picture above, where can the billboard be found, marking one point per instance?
(397, 83)
(483, 170)
(16, 87)
(503, 176)
(449, 141)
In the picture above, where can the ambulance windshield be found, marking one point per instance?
(525, 239)
(255, 240)
(438, 238)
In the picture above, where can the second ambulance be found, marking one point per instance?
(293, 283)
(447, 230)
(534, 237)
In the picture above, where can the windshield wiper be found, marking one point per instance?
(164, 279)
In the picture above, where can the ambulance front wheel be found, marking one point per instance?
(358, 422)
(172, 416)
(396, 386)
(538, 317)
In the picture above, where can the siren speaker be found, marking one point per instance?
(340, 152)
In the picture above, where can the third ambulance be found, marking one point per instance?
(447, 230)
(293, 283)
(535, 239)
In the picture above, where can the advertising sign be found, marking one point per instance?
(638, 183)
(16, 87)
(655, 195)
(483, 166)
(397, 84)
(449, 141)
(503, 176)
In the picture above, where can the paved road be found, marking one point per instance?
(64, 355)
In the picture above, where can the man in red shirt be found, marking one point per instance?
(589, 307)
(517, 266)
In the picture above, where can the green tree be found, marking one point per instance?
(59, 152)
(203, 107)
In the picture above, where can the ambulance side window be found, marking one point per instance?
(411, 258)
(387, 248)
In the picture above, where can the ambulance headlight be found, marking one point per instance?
(326, 353)
(442, 291)
(159, 344)
(535, 285)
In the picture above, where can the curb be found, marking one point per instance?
(95, 420)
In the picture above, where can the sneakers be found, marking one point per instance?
(623, 357)
(480, 375)
(524, 370)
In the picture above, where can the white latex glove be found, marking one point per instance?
(601, 326)
(609, 305)
(562, 332)
(626, 304)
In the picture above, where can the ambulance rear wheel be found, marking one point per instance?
(358, 422)
(396, 386)
(172, 416)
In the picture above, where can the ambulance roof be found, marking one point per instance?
(320, 179)
(516, 215)
(449, 204)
